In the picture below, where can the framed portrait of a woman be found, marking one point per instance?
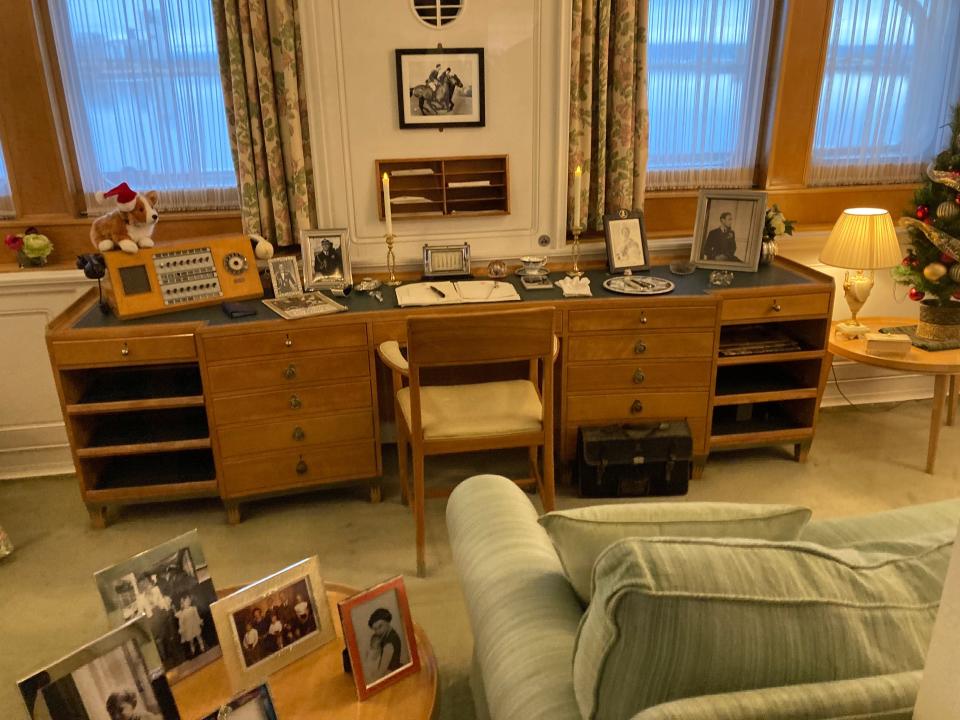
(626, 241)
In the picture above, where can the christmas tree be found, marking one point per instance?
(931, 268)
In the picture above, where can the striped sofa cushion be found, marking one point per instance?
(681, 617)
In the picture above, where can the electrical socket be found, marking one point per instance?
(543, 241)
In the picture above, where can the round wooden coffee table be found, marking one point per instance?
(315, 686)
(944, 365)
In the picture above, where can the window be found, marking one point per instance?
(707, 63)
(890, 77)
(6, 198)
(142, 85)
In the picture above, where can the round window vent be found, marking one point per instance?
(437, 13)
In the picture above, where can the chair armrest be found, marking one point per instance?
(389, 352)
(890, 697)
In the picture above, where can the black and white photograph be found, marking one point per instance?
(273, 622)
(254, 704)
(326, 260)
(440, 87)
(117, 677)
(285, 276)
(171, 586)
(378, 631)
(309, 304)
(729, 230)
(626, 241)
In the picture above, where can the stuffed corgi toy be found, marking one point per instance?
(130, 226)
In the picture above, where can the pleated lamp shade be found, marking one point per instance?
(862, 239)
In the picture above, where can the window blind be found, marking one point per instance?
(142, 86)
(6, 197)
(707, 63)
(890, 77)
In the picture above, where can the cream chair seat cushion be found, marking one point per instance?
(460, 411)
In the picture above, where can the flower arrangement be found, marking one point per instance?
(775, 225)
(31, 247)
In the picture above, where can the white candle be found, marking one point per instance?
(386, 204)
(577, 177)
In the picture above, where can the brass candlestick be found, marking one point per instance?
(575, 271)
(391, 262)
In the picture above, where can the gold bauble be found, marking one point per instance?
(947, 210)
(934, 271)
(955, 273)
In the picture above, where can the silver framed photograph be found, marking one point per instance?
(729, 229)
(440, 87)
(255, 704)
(117, 676)
(626, 241)
(273, 622)
(326, 259)
(171, 586)
(285, 276)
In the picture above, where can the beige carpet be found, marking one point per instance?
(863, 460)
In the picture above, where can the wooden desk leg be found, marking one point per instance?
(233, 512)
(801, 450)
(952, 401)
(699, 463)
(98, 516)
(376, 492)
(936, 417)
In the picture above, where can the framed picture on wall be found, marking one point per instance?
(729, 229)
(626, 241)
(440, 87)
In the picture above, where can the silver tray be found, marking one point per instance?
(635, 285)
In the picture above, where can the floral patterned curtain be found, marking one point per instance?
(261, 68)
(609, 123)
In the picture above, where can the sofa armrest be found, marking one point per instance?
(523, 611)
(886, 697)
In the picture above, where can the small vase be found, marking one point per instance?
(939, 322)
(768, 251)
(25, 261)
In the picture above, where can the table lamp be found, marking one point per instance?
(862, 239)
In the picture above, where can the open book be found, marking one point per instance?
(454, 293)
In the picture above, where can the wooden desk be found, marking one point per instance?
(194, 403)
(315, 686)
(944, 365)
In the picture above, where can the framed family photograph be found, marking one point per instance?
(171, 586)
(285, 276)
(378, 632)
(626, 241)
(326, 261)
(116, 677)
(273, 622)
(440, 87)
(256, 704)
(729, 229)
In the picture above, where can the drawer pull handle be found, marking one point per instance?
(298, 433)
(302, 467)
(639, 348)
(295, 403)
(776, 307)
(289, 341)
(638, 376)
(637, 407)
(290, 372)
(643, 318)
(124, 350)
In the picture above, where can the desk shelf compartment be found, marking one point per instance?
(112, 389)
(765, 382)
(150, 477)
(762, 423)
(769, 342)
(139, 432)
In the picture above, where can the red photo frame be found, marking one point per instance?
(380, 652)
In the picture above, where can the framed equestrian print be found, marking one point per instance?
(440, 87)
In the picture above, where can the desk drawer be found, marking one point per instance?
(640, 345)
(775, 307)
(281, 470)
(639, 375)
(124, 351)
(283, 342)
(291, 370)
(639, 318)
(293, 403)
(295, 433)
(636, 406)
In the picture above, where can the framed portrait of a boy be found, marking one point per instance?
(285, 276)
(326, 260)
(379, 634)
(729, 229)
(626, 241)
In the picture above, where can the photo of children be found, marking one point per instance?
(275, 621)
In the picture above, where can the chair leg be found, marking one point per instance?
(547, 492)
(402, 467)
(533, 452)
(418, 512)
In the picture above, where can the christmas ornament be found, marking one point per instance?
(942, 241)
(916, 295)
(923, 212)
(934, 271)
(914, 263)
(906, 261)
(947, 259)
(956, 198)
(948, 210)
(955, 273)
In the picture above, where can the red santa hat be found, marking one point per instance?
(125, 197)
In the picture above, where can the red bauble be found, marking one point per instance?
(914, 263)
(923, 212)
(916, 295)
(956, 198)
(906, 261)
(928, 220)
(947, 259)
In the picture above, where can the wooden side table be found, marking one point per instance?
(316, 687)
(944, 365)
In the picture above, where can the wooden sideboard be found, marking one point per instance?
(194, 404)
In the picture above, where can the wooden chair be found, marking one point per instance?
(444, 419)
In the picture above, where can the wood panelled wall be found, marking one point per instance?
(36, 142)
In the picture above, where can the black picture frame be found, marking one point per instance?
(620, 255)
(419, 105)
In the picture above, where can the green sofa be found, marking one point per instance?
(525, 615)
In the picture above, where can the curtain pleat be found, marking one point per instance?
(261, 64)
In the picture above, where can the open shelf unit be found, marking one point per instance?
(445, 187)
